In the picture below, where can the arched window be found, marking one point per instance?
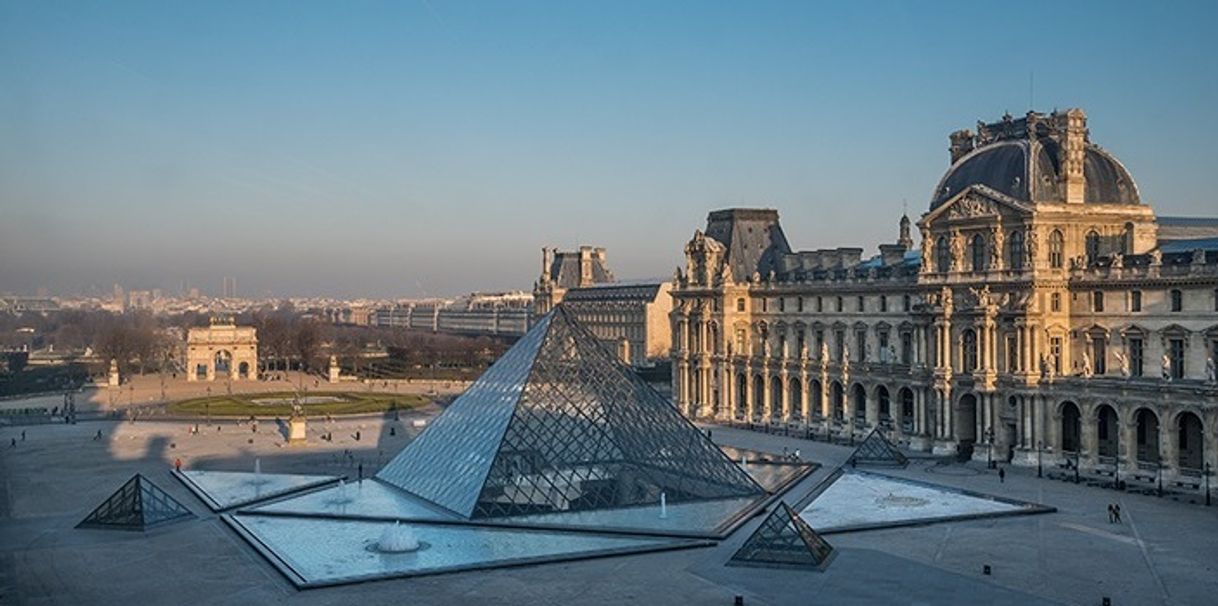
(1015, 250)
(943, 255)
(969, 343)
(1093, 247)
(978, 253)
(1056, 246)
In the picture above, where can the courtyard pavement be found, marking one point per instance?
(1163, 553)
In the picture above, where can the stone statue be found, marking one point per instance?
(867, 352)
(945, 299)
(1209, 371)
(1123, 361)
(1086, 364)
(1046, 366)
(729, 349)
(1156, 257)
(845, 357)
(927, 253)
(1165, 367)
(957, 244)
(1198, 257)
(982, 295)
(1031, 247)
(1118, 260)
(892, 354)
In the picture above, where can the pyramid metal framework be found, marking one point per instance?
(137, 505)
(877, 450)
(784, 540)
(559, 424)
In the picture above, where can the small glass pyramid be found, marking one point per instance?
(877, 450)
(784, 540)
(558, 424)
(137, 505)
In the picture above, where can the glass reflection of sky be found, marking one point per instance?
(226, 489)
(328, 551)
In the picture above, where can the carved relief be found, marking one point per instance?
(968, 208)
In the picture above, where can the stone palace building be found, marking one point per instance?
(1048, 315)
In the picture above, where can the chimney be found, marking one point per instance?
(585, 265)
(546, 261)
(961, 144)
(1073, 126)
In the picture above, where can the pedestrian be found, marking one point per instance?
(177, 464)
(14, 445)
(98, 436)
(1116, 512)
(361, 471)
(797, 457)
(1111, 514)
(22, 435)
(1002, 475)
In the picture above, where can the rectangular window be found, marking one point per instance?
(782, 303)
(820, 304)
(1135, 300)
(883, 303)
(799, 302)
(907, 302)
(859, 304)
(1177, 300)
(1175, 352)
(1055, 302)
(782, 344)
(1012, 354)
(840, 337)
(1097, 301)
(741, 340)
(820, 342)
(1135, 356)
(765, 304)
(860, 338)
(799, 343)
(906, 347)
(740, 304)
(1099, 355)
(839, 304)
(882, 340)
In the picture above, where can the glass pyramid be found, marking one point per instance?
(137, 505)
(784, 540)
(558, 424)
(877, 450)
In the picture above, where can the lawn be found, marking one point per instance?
(345, 403)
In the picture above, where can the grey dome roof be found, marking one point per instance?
(1005, 167)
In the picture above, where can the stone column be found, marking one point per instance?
(749, 406)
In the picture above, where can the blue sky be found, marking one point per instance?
(432, 148)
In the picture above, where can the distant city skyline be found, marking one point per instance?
(425, 149)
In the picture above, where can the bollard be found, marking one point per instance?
(1106, 601)
(986, 570)
(739, 600)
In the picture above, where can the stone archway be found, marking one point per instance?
(859, 397)
(243, 370)
(758, 398)
(1107, 427)
(814, 399)
(796, 397)
(778, 399)
(884, 403)
(222, 362)
(1071, 429)
(1189, 441)
(742, 395)
(907, 409)
(1147, 435)
(966, 419)
(837, 401)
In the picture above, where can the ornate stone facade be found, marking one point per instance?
(1041, 318)
(222, 350)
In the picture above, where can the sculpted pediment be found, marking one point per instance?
(977, 202)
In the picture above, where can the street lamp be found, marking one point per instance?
(1077, 455)
(1040, 468)
(1207, 484)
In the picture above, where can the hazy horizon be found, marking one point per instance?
(430, 149)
